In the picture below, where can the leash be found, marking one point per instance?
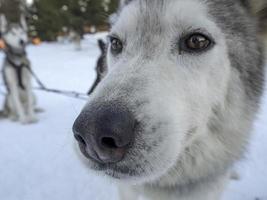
(66, 93)
(42, 87)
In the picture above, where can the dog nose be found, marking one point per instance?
(105, 134)
(22, 43)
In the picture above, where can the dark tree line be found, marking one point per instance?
(49, 18)
(52, 17)
(11, 8)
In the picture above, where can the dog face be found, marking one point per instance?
(14, 35)
(169, 65)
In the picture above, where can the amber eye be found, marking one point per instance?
(195, 43)
(116, 45)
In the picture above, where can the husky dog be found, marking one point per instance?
(19, 102)
(101, 66)
(176, 108)
(75, 38)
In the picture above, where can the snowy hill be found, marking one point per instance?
(39, 161)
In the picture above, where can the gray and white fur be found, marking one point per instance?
(166, 122)
(20, 101)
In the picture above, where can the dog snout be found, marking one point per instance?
(105, 134)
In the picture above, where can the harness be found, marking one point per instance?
(17, 67)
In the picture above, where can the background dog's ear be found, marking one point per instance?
(262, 16)
(23, 23)
(258, 8)
(245, 3)
(3, 23)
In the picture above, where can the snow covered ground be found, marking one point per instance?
(40, 161)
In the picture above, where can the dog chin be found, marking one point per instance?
(126, 178)
(122, 174)
(114, 171)
(117, 173)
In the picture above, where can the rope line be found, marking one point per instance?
(42, 87)
(71, 94)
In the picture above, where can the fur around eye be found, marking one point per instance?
(195, 43)
(116, 45)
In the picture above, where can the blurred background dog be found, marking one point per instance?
(20, 101)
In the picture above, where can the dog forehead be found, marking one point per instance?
(157, 15)
(16, 29)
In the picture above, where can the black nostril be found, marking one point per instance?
(22, 42)
(109, 142)
(80, 139)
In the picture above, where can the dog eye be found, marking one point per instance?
(196, 42)
(116, 45)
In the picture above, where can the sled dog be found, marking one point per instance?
(101, 66)
(19, 101)
(176, 108)
(75, 38)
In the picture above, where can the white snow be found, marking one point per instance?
(40, 161)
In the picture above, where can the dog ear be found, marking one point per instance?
(258, 8)
(245, 3)
(23, 23)
(3, 23)
(262, 16)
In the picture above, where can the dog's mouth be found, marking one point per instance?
(108, 150)
(114, 170)
(117, 170)
(121, 173)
